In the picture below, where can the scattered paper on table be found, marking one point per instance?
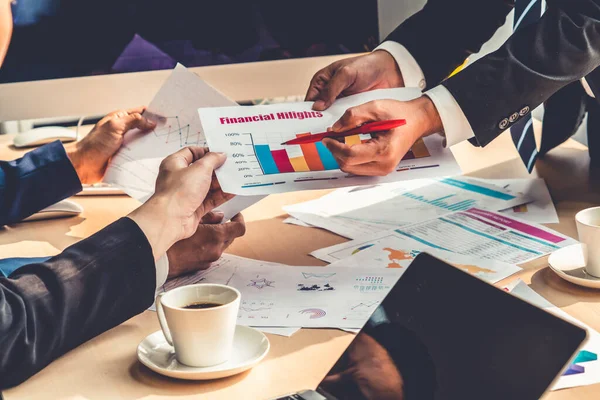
(277, 295)
(399, 252)
(258, 163)
(587, 371)
(295, 221)
(175, 110)
(353, 213)
(474, 232)
(540, 210)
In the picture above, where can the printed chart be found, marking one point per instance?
(275, 295)
(397, 252)
(174, 109)
(354, 213)
(258, 163)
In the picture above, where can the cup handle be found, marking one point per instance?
(160, 312)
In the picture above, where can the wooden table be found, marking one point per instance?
(107, 368)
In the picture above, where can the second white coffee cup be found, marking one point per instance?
(202, 337)
(588, 228)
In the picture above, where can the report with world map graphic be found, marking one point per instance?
(474, 233)
(398, 252)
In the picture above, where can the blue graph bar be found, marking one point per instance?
(326, 157)
(265, 158)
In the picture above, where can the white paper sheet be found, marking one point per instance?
(276, 295)
(399, 252)
(591, 369)
(175, 109)
(540, 210)
(354, 213)
(257, 163)
(475, 232)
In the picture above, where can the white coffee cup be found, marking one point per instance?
(588, 228)
(201, 336)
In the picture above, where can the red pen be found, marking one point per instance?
(369, 127)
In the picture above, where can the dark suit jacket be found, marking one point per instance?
(42, 177)
(536, 62)
(48, 308)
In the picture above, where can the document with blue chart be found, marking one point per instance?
(258, 163)
(354, 212)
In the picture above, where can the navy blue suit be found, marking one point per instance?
(50, 305)
(41, 178)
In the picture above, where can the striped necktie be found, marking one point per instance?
(526, 12)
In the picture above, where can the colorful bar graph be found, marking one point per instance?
(265, 158)
(326, 157)
(305, 158)
(311, 155)
(282, 160)
(299, 164)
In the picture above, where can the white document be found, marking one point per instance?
(258, 163)
(475, 232)
(276, 295)
(175, 110)
(354, 213)
(399, 252)
(587, 370)
(541, 208)
(199, 277)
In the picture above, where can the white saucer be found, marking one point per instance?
(569, 264)
(249, 348)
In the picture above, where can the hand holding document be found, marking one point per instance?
(258, 163)
(175, 110)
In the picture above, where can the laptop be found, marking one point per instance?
(443, 334)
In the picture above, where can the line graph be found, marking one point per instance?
(174, 131)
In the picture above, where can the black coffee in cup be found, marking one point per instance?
(197, 306)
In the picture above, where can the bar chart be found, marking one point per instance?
(277, 159)
(443, 202)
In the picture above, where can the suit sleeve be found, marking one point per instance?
(48, 308)
(444, 33)
(537, 61)
(42, 177)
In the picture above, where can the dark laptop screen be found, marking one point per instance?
(443, 334)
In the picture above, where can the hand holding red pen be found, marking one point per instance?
(380, 155)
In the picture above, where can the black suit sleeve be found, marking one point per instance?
(41, 178)
(537, 61)
(444, 33)
(48, 308)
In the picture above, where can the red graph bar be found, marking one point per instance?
(311, 155)
(282, 161)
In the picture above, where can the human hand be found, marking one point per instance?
(90, 156)
(206, 245)
(381, 154)
(377, 70)
(186, 189)
(370, 369)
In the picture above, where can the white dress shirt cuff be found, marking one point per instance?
(409, 68)
(455, 123)
(162, 270)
